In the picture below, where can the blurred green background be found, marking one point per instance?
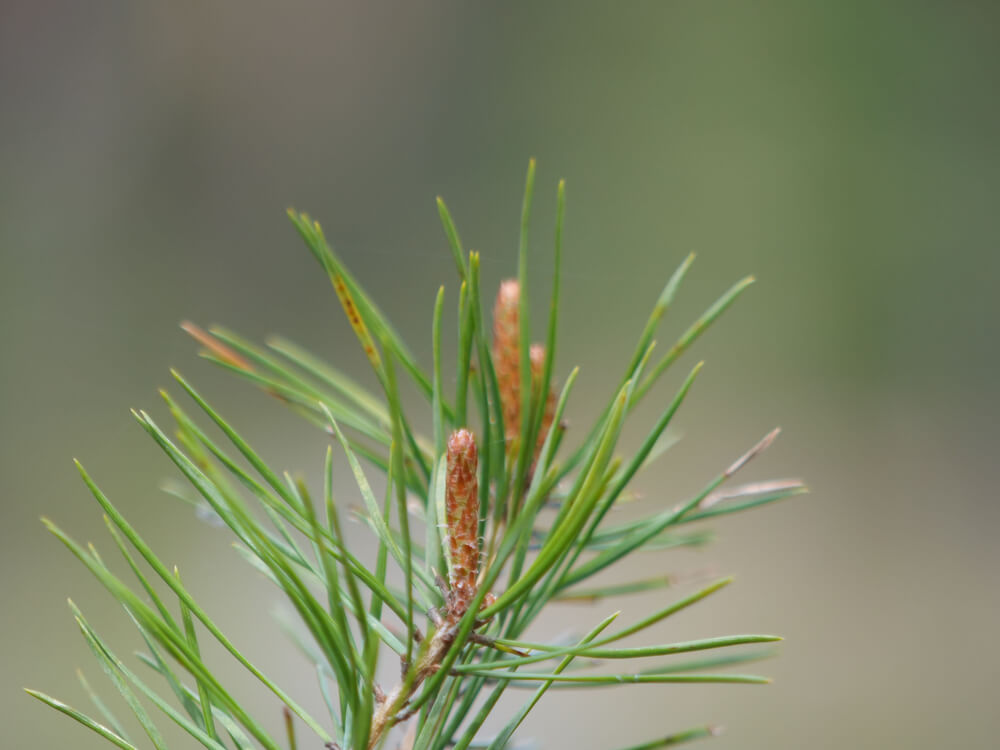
(844, 152)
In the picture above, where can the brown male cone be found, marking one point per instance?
(462, 519)
(507, 355)
(506, 361)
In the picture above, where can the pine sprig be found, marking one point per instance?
(487, 521)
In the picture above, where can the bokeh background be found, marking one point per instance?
(846, 153)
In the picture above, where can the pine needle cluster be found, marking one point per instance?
(488, 521)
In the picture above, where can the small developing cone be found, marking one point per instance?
(506, 360)
(537, 366)
(462, 520)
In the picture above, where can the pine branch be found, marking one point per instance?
(499, 513)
